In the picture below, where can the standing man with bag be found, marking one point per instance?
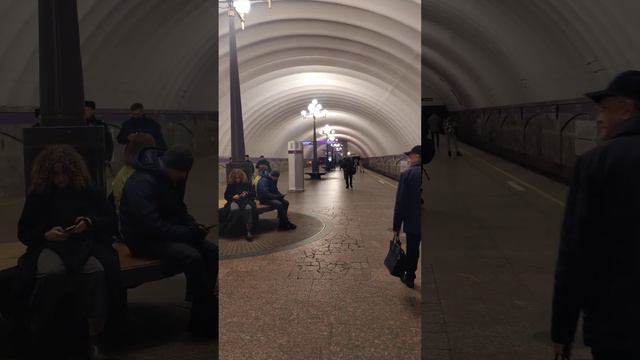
(407, 212)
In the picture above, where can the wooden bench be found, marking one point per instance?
(260, 208)
(135, 271)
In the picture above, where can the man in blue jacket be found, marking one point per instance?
(155, 223)
(598, 267)
(268, 194)
(407, 212)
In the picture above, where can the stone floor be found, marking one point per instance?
(328, 299)
(490, 235)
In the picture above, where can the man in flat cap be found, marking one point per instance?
(598, 266)
(155, 223)
(408, 210)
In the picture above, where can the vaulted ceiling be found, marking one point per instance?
(359, 59)
(479, 53)
(158, 52)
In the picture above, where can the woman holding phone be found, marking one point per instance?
(65, 225)
(241, 198)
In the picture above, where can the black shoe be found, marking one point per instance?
(407, 281)
(291, 225)
(283, 226)
(449, 153)
(96, 353)
(347, 187)
(249, 236)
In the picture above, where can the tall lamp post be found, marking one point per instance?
(239, 9)
(314, 111)
(331, 136)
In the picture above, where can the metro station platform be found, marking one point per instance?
(326, 295)
(490, 235)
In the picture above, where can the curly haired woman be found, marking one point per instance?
(65, 225)
(241, 198)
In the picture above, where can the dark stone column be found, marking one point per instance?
(237, 125)
(61, 84)
(62, 92)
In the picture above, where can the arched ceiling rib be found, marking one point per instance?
(161, 53)
(361, 60)
(512, 52)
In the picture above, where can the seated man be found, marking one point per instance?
(268, 194)
(155, 223)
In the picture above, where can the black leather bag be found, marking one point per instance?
(396, 258)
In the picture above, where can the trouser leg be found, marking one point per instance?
(346, 178)
(93, 295)
(248, 216)
(413, 254)
(281, 206)
(198, 272)
(116, 293)
(52, 284)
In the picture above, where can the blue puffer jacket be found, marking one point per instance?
(152, 207)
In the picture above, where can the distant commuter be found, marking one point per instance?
(139, 122)
(263, 162)
(451, 129)
(36, 114)
(90, 118)
(241, 204)
(138, 142)
(155, 223)
(598, 267)
(406, 214)
(268, 194)
(66, 225)
(435, 128)
(252, 168)
(348, 170)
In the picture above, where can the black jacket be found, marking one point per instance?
(152, 208)
(598, 267)
(407, 209)
(43, 211)
(268, 190)
(108, 139)
(145, 125)
(237, 189)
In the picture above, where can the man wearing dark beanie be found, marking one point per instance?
(155, 223)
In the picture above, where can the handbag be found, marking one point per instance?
(396, 258)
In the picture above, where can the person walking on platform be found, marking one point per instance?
(451, 128)
(139, 122)
(348, 169)
(155, 223)
(598, 266)
(435, 128)
(90, 118)
(268, 194)
(406, 214)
